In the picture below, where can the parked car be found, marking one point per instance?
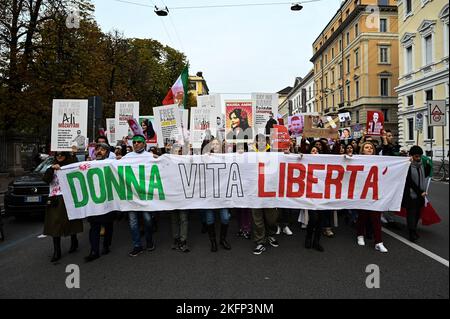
(28, 194)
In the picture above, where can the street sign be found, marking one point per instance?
(419, 121)
(436, 113)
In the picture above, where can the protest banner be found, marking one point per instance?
(111, 131)
(147, 123)
(239, 116)
(248, 180)
(125, 111)
(375, 123)
(69, 125)
(265, 104)
(167, 123)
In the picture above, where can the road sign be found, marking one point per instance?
(419, 121)
(436, 113)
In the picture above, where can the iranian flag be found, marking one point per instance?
(178, 92)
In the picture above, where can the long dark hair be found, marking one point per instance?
(149, 132)
(242, 116)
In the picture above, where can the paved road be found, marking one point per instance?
(289, 271)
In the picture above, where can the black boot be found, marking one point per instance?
(412, 236)
(56, 249)
(308, 239)
(73, 244)
(316, 243)
(212, 237)
(223, 236)
(92, 256)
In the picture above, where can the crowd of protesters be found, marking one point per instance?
(260, 225)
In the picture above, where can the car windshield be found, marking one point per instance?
(44, 165)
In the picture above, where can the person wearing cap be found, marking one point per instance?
(106, 221)
(104, 140)
(57, 223)
(415, 191)
(139, 150)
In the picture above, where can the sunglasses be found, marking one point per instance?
(134, 142)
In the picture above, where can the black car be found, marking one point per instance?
(28, 194)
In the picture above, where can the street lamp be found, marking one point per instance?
(161, 12)
(296, 7)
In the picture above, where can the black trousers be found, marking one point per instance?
(413, 213)
(94, 236)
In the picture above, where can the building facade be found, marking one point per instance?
(424, 67)
(356, 62)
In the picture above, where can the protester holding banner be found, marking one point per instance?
(102, 139)
(216, 147)
(57, 223)
(265, 219)
(415, 191)
(106, 221)
(367, 148)
(139, 150)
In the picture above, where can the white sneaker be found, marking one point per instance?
(278, 230)
(380, 247)
(304, 226)
(361, 241)
(287, 231)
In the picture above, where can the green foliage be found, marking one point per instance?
(47, 60)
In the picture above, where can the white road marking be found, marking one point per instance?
(417, 247)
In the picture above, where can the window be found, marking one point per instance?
(357, 89)
(408, 7)
(348, 38)
(333, 100)
(341, 95)
(340, 45)
(384, 87)
(341, 70)
(411, 129)
(384, 55)
(326, 59)
(356, 58)
(356, 30)
(310, 93)
(332, 76)
(383, 25)
(332, 53)
(385, 114)
(357, 116)
(348, 92)
(348, 65)
(428, 95)
(326, 81)
(410, 100)
(409, 60)
(446, 35)
(428, 50)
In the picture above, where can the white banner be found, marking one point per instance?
(125, 111)
(69, 125)
(253, 180)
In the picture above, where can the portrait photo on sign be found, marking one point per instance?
(345, 133)
(344, 117)
(239, 121)
(375, 123)
(295, 125)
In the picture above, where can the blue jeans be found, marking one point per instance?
(135, 231)
(224, 216)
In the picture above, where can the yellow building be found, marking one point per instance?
(424, 54)
(356, 61)
(197, 85)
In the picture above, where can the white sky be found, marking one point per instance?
(239, 49)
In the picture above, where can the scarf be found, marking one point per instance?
(418, 177)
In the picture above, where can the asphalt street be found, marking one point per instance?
(289, 271)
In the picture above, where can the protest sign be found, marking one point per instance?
(69, 125)
(250, 180)
(168, 124)
(125, 111)
(111, 131)
(147, 123)
(239, 115)
(375, 123)
(265, 105)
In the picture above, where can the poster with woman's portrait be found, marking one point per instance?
(345, 133)
(147, 123)
(239, 116)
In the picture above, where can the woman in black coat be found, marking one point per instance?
(57, 223)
